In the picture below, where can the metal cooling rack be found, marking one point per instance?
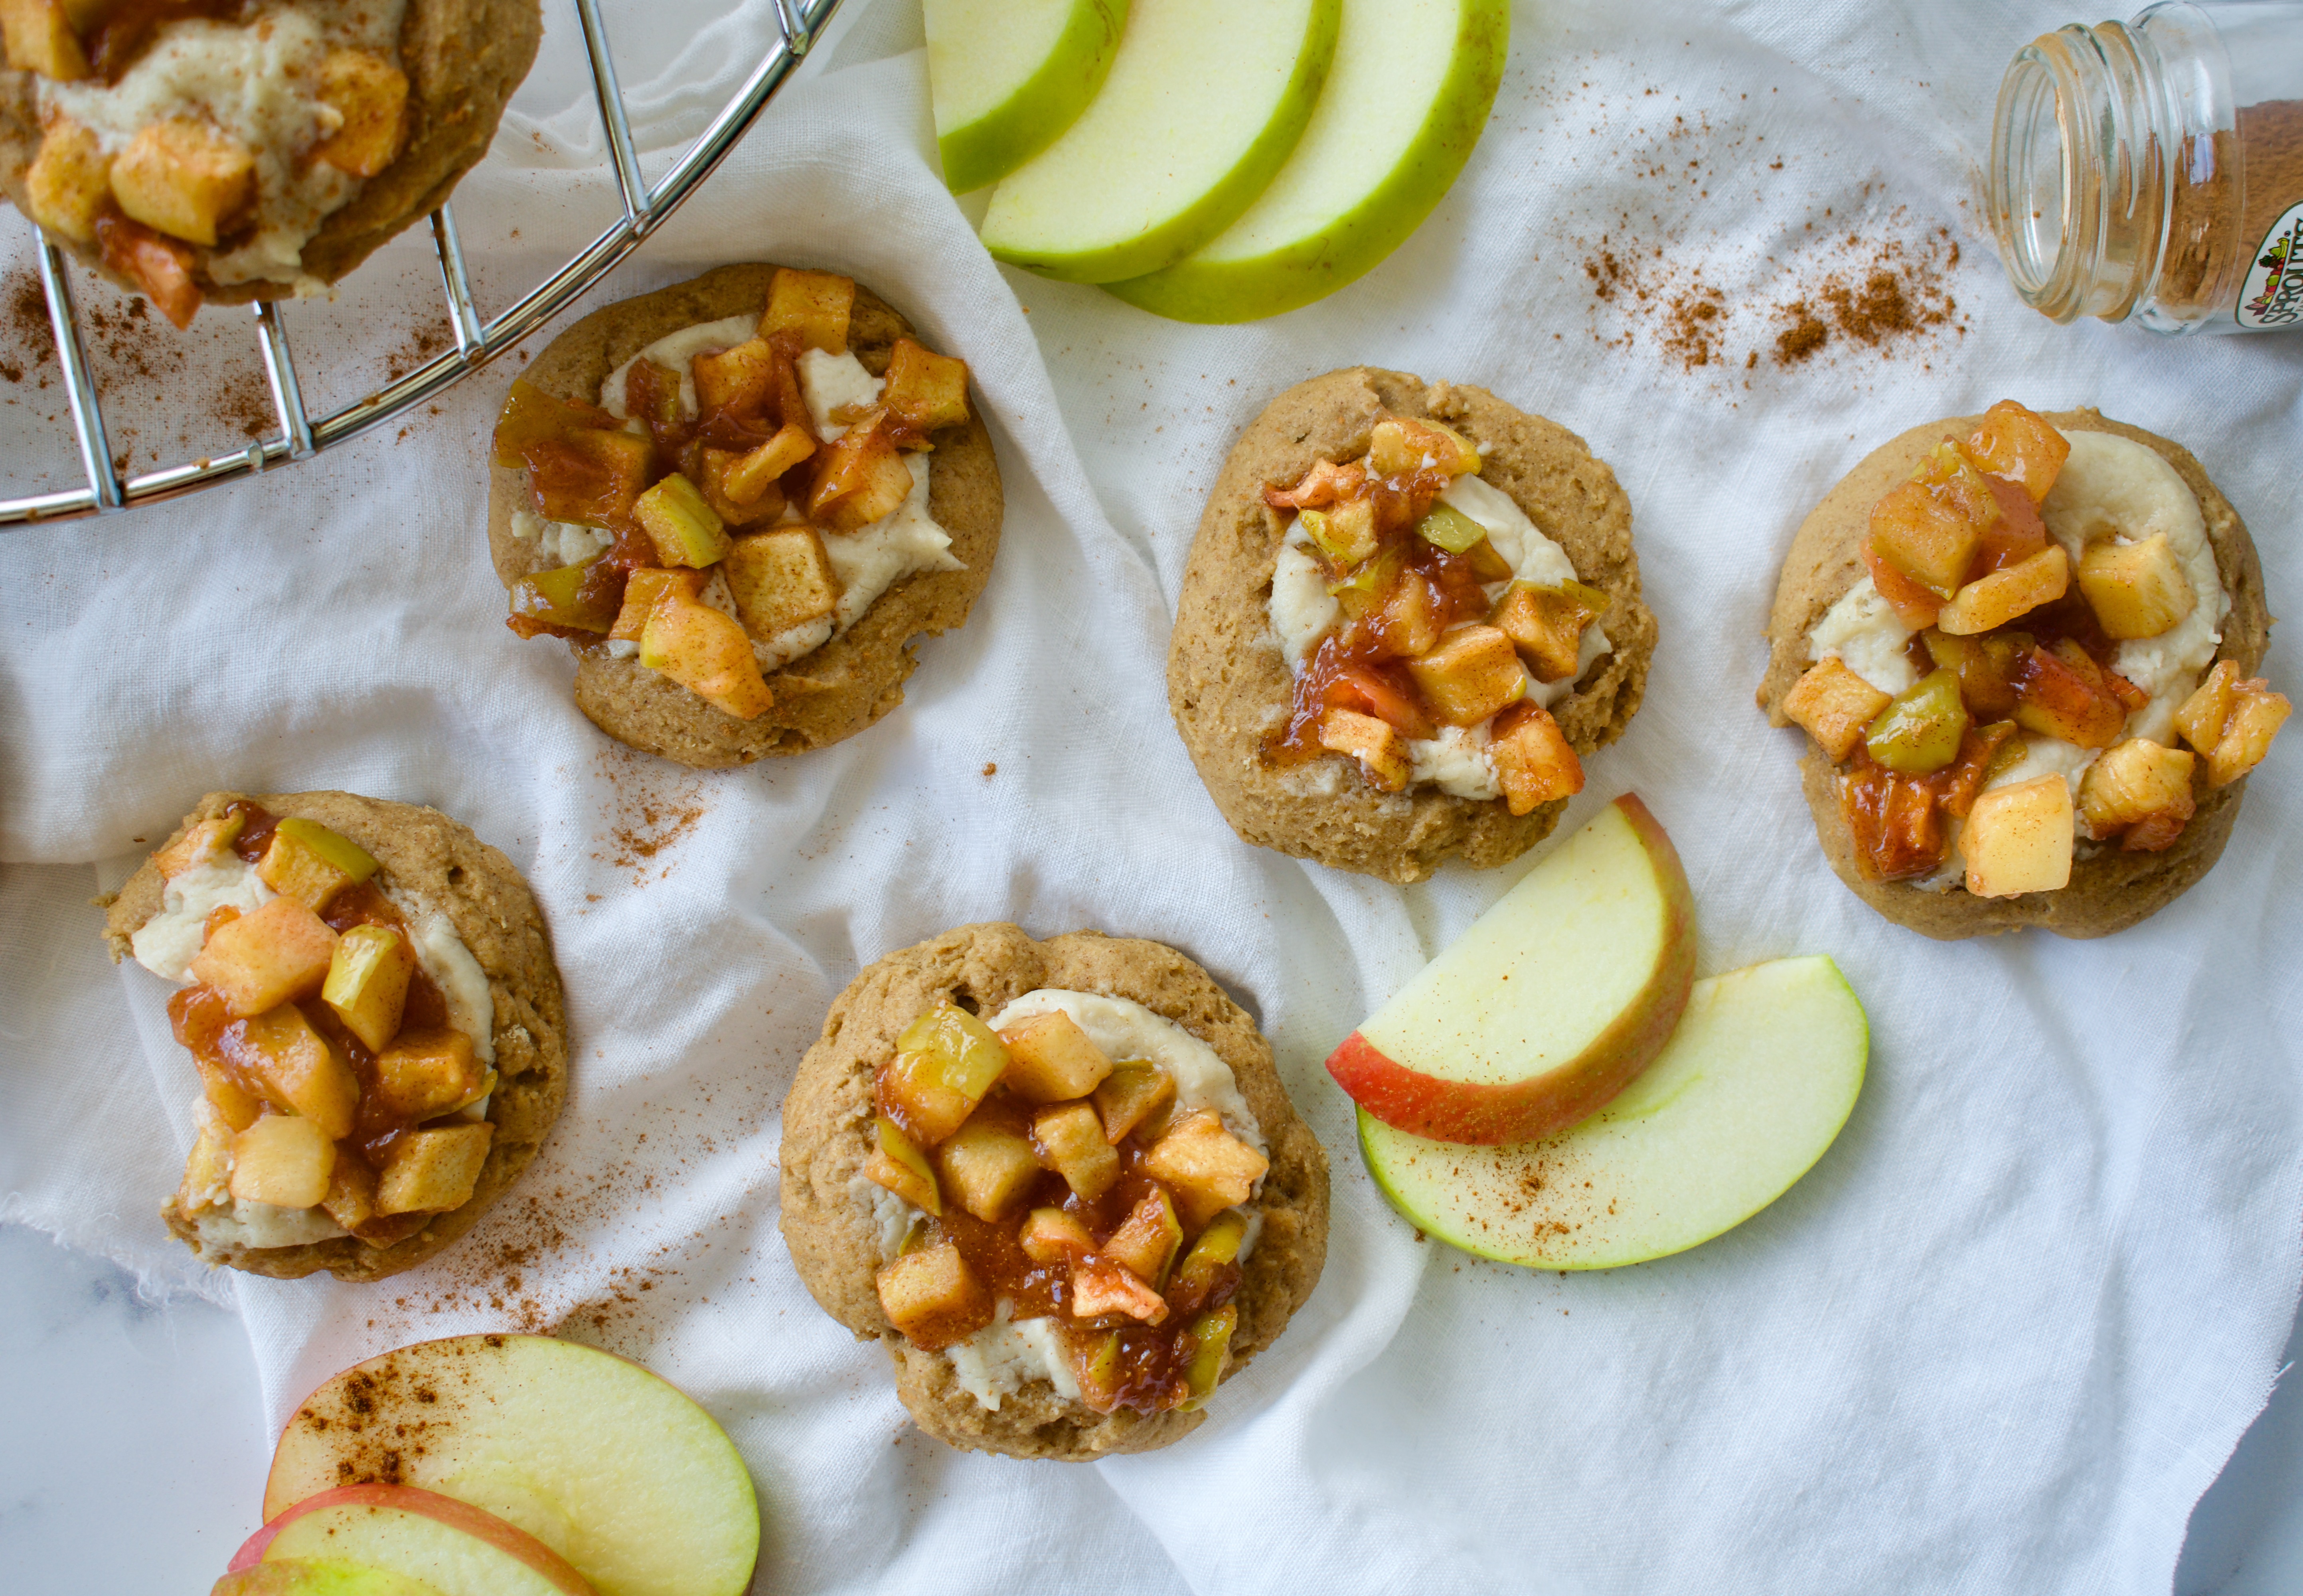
(301, 434)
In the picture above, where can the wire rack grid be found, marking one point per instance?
(645, 208)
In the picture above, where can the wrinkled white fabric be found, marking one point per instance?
(2000, 1339)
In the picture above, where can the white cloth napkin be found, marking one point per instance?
(2000, 1339)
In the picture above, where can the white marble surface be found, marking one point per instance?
(134, 1450)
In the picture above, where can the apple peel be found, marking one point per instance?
(475, 1521)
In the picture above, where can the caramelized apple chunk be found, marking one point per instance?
(1345, 534)
(685, 529)
(207, 1169)
(1376, 744)
(284, 1159)
(433, 1170)
(2018, 839)
(1928, 528)
(945, 1060)
(1071, 1142)
(1207, 1167)
(860, 477)
(2136, 781)
(272, 954)
(1212, 1336)
(898, 1164)
(351, 1197)
(1051, 1236)
(306, 861)
(987, 1169)
(40, 38)
(1920, 730)
(811, 309)
(1999, 596)
(1535, 764)
(706, 651)
(426, 1073)
(926, 391)
(750, 478)
(1546, 625)
(2135, 589)
(69, 183)
(2016, 443)
(933, 1298)
(1098, 1288)
(370, 96)
(1472, 673)
(297, 1069)
(782, 581)
(184, 178)
(1132, 1097)
(2065, 694)
(1146, 1241)
(1051, 1060)
(1834, 705)
(1217, 1247)
(199, 844)
(1400, 445)
(2231, 722)
(368, 983)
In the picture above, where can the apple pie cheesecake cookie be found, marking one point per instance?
(2023, 649)
(370, 999)
(1060, 1181)
(1409, 612)
(230, 150)
(740, 501)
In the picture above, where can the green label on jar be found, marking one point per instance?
(2272, 296)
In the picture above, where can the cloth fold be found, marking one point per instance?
(2000, 1338)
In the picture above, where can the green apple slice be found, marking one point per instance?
(1204, 101)
(1755, 1084)
(610, 1466)
(319, 1576)
(1007, 76)
(1406, 99)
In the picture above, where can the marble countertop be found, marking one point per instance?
(111, 1400)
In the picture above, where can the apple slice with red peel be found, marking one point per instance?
(1548, 1005)
(611, 1467)
(320, 1576)
(448, 1544)
(1763, 1069)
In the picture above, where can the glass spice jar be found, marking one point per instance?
(2152, 170)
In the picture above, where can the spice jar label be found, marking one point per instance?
(2272, 294)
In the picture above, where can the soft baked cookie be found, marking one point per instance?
(830, 603)
(1099, 1036)
(381, 1043)
(1421, 677)
(2086, 559)
(347, 123)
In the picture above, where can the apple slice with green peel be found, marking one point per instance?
(1204, 101)
(1007, 76)
(611, 1467)
(1548, 1005)
(319, 1576)
(450, 1545)
(1405, 101)
(1761, 1074)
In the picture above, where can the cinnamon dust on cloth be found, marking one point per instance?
(1998, 1340)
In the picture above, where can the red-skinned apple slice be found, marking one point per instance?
(449, 1544)
(609, 1465)
(1548, 1005)
(319, 1576)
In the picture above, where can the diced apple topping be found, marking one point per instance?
(1217, 1245)
(945, 1060)
(199, 843)
(707, 651)
(2014, 442)
(2231, 722)
(1472, 674)
(2018, 839)
(351, 1198)
(1982, 665)
(739, 380)
(589, 476)
(749, 479)
(813, 308)
(1914, 606)
(1399, 444)
(1146, 1241)
(40, 38)
(69, 183)
(1328, 482)
(781, 579)
(1207, 1167)
(2136, 782)
(860, 477)
(426, 1073)
(933, 1298)
(1834, 705)
(2135, 589)
(1448, 528)
(1052, 1236)
(311, 864)
(897, 1163)
(1212, 1336)
(368, 983)
(711, 481)
(1071, 1142)
(2065, 694)
(1920, 730)
(1928, 528)
(433, 1171)
(233, 1102)
(1375, 744)
(987, 1169)
(184, 178)
(1999, 596)
(926, 391)
(371, 96)
(297, 1069)
(1344, 533)
(1545, 624)
(207, 1169)
(1051, 1060)
(271, 955)
(1535, 764)
(1132, 1097)
(284, 1159)
(643, 588)
(1101, 1288)
(684, 528)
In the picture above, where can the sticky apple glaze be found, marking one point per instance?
(742, 494)
(2028, 677)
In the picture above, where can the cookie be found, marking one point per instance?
(828, 1129)
(2111, 889)
(463, 59)
(421, 851)
(1228, 683)
(833, 691)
